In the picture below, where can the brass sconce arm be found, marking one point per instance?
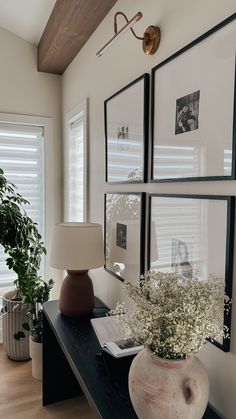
(150, 40)
(137, 17)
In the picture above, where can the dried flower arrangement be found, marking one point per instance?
(174, 314)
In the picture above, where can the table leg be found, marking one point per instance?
(59, 382)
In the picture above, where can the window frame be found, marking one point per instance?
(46, 124)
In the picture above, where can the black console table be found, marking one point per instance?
(73, 364)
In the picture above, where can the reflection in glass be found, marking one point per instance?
(123, 212)
(227, 162)
(125, 132)
(190, 235)
(172, 161)
(125, 156)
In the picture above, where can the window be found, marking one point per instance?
(75, 164)
(21, 158)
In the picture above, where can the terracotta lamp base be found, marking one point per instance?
(77, 296)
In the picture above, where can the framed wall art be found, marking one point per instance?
(124, 230)
(193, 234)
(194, 109)
(126, 132)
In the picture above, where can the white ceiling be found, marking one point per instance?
(26, 18)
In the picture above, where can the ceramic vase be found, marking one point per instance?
(36, 356)
(13, 318)
(166, 389)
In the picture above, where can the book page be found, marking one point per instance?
(107, 329)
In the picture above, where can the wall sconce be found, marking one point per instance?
(151, 37)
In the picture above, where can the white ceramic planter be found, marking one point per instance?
(167, 389)
(37, 357)
(12, 321)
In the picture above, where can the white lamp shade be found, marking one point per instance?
(77, 246)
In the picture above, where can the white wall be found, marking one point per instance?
(98, 78)
(23, 90)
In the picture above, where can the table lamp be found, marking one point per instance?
(76, 248)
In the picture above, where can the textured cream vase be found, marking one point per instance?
(12, 321)
(168, 389)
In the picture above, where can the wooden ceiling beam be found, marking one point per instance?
(70, 25)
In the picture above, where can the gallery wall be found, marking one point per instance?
(25, 91)
(97, 79)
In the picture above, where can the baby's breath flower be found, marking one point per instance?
(173, 314)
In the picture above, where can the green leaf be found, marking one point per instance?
(26, 327)
(19, 335)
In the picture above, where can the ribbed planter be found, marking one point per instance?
(36, 350)
(13, 318)
(167, 389)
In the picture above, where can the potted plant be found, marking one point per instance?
(35, 294)
(22, 243)
(173, 316)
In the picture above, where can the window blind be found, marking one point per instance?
(21, 158)
(76, 169)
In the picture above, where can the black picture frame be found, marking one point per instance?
(138, 211)
(229, 242)
(196, 95)
(122, 127)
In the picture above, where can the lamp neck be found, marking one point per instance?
(77, 272)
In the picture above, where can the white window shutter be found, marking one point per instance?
(75, 164)
(76, 169)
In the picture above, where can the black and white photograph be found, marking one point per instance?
(121, 235)
(187, 113)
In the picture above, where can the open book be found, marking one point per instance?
(112, 338)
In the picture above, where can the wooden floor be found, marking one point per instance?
(20, 395)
